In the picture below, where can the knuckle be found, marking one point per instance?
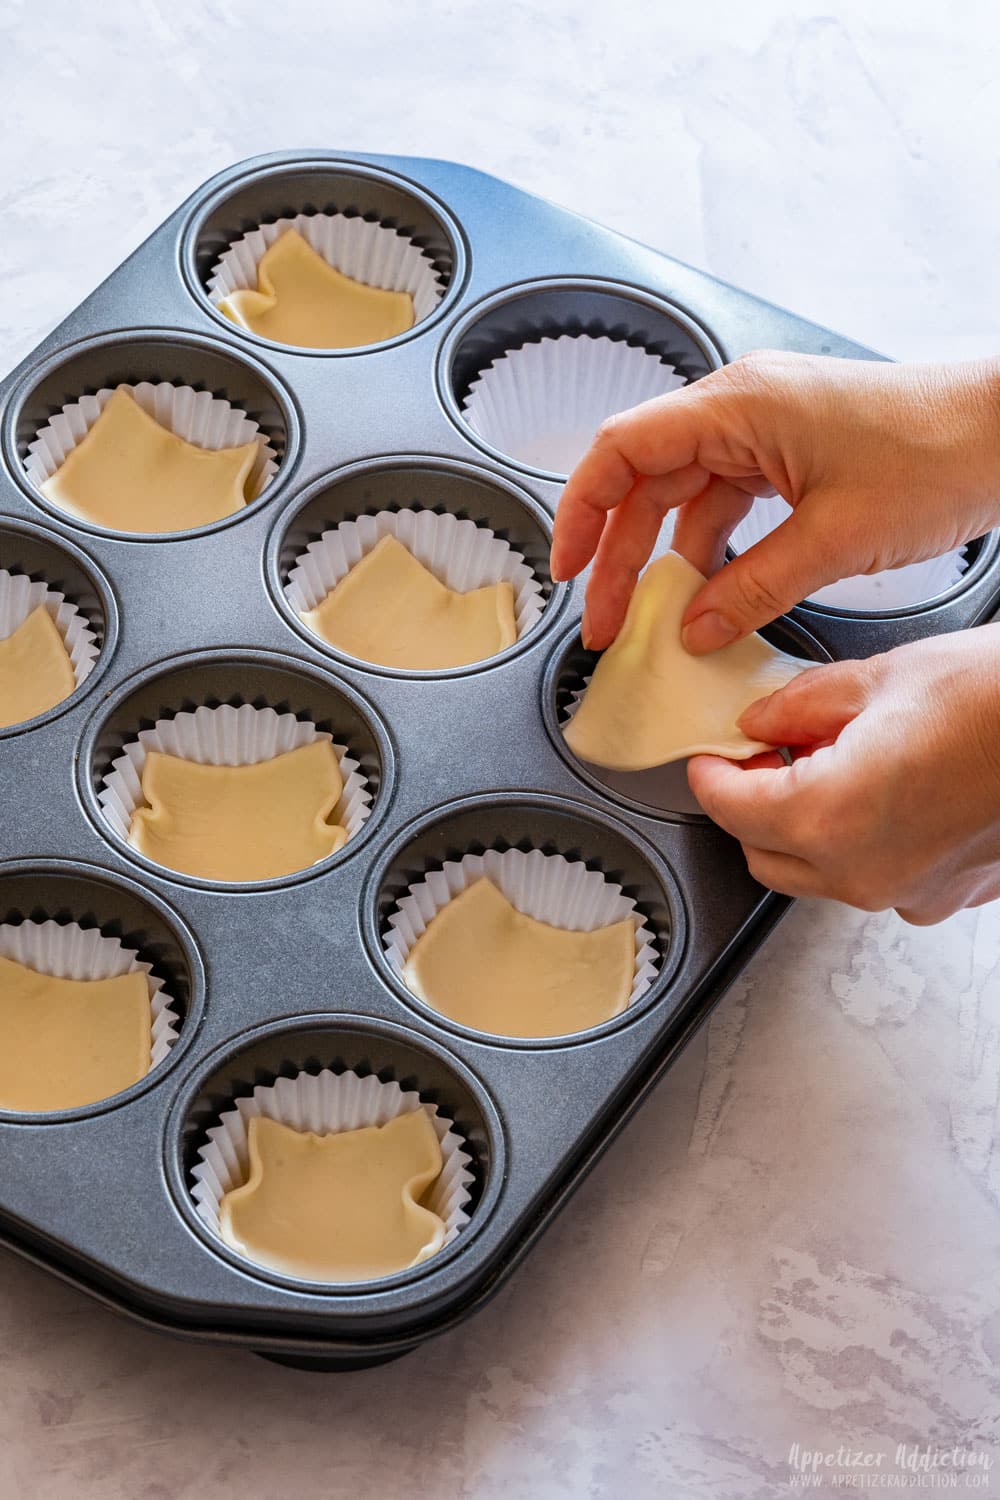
(608, 431)
(754, 594)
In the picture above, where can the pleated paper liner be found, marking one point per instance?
(541, 404)
(894, 589)
(68, 951)
(326, 1103)
(197, 416)
(20, 597)
(226, 736)
(562, 892)
(372, 253)
(460, 554)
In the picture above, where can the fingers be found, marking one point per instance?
(628, 539)
(785, 873)
(759, 585)
(815, 706)
(705, 524)
(658, 437)
(758, 807)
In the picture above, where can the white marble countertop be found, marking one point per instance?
(796, 1241)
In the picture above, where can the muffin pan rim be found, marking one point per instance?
(180, 337)
(108, 597)
(188, 946)
(208, 198)
(216, 655)
(359, 1023)
(674, 943)
(386, 464)
(550, 679)
(707, 341)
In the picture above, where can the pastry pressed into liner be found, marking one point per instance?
(650, 702)
(487, 965)
(70, 1042)
(36, 672)
(391, 610)
(344, 1206)
(240, 823)
(129, 473)
(302, 300)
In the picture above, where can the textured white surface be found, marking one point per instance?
(797, 1239)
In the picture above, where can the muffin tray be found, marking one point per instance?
(292, 974)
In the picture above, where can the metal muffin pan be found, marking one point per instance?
(291, 974)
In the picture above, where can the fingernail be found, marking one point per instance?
(585, 635)
(708, 632)
(555, 574)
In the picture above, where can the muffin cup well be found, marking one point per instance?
(890, 590)
(460, 554)
(68, 951)
(326, 1103)
(530, 372)
(225, 736)
(196, 416)
(660, 791)
(542, 403)
(549, 887)
(20, 597)
(370, 252)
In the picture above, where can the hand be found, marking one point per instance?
(883, 464)
(896, 800)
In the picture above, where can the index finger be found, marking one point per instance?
(654, 438)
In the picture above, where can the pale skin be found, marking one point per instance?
(892, 799)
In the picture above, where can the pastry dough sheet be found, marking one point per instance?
(488, 966)
(68, 1042)
(391, 610)
(240, 823)
(302, 300)
(338, 1207)
(35, 670)
(131, 474)
(649, 702)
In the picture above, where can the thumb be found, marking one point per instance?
(815, 706)
(762, 583)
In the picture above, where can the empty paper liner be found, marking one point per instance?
(542, 404)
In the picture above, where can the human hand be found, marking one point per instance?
(895, 801)
(883, 464)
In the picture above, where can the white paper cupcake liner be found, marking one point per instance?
(68, 951)
(460, 554)
(548, 887)
(197, 416)
(19, 598)
(542, 404)
(895, 588)
(225, 736)
(369, 252)
(327, 1103)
